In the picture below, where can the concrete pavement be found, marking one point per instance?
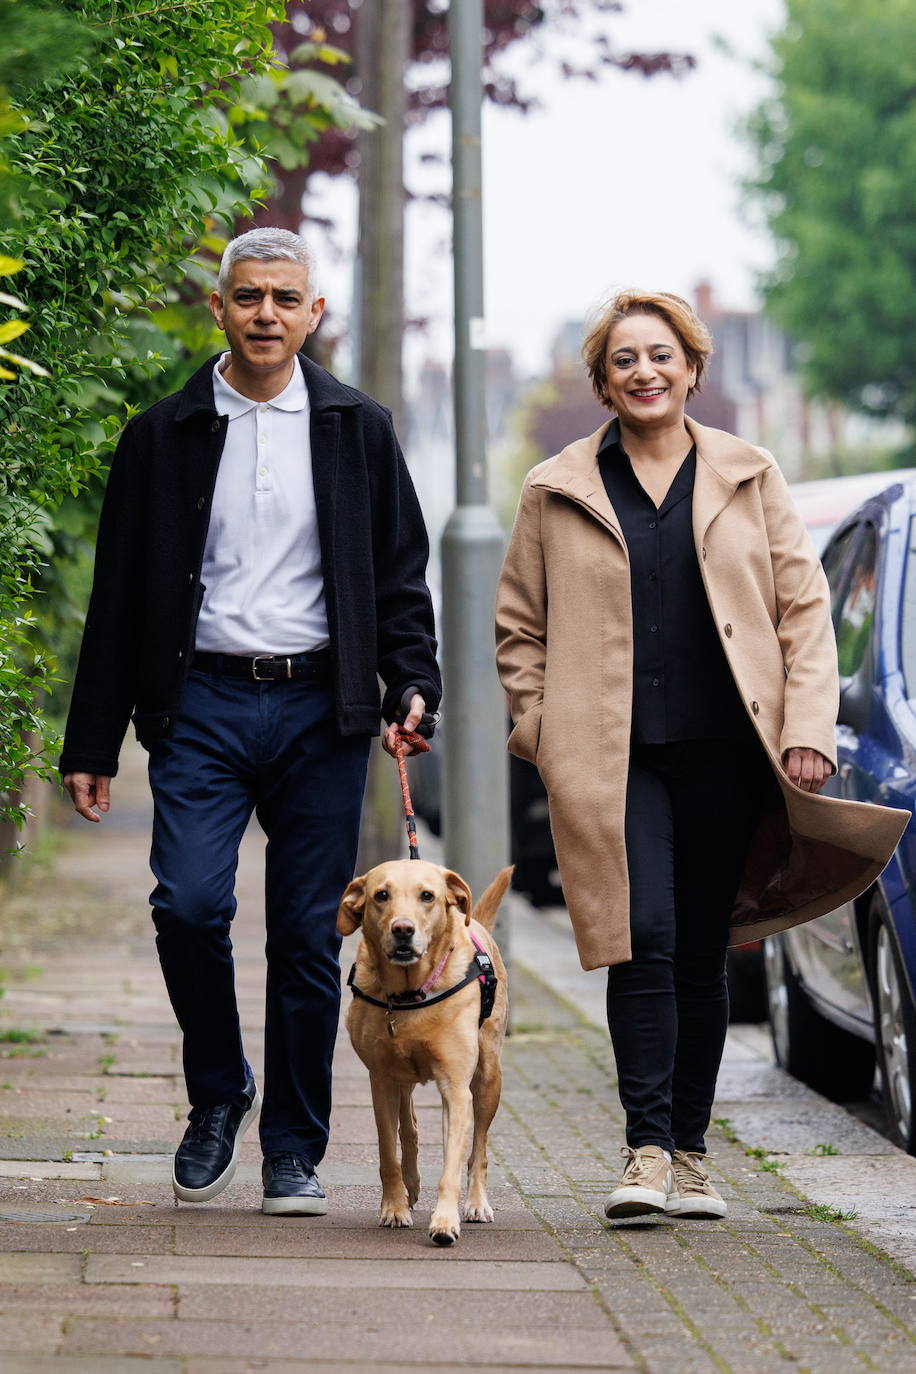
(101, 1273)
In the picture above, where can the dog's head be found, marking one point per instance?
(404, 907)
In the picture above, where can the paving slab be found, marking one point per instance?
(91, 1364)
(525, 1277)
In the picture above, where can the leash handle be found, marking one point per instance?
(422, 746)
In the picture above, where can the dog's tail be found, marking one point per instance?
(488, 905)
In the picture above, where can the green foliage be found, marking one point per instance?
(836, 149)
(116, 155)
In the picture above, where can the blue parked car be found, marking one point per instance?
(841, 989)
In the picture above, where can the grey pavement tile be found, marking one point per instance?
(412, 1362)
(37, 1169)
(89, 1300)
(36, 1333)
(89, 1364)
(532, 1347)
(379, 1243)
(410, 1308)
(319, 1273)
(59, 1238)
(41, 1268)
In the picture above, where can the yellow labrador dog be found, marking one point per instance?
(419, 941)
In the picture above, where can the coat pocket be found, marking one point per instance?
(152, 726)
(525, 738)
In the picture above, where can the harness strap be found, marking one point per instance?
(413, 999)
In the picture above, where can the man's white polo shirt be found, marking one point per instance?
(262, 560)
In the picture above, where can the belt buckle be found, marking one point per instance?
(259, 658)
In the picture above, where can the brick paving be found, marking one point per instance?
(100, 1272)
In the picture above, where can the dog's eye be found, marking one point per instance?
(382, 894)
(427, 896)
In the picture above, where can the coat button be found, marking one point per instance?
(728, 631)
(190, 579)
(215, 426)
(755, 708)
(200, 503)
(165, 722)
(181, 653)
(704, 553)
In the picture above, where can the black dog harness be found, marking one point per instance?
(412, 999)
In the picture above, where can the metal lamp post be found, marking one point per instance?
(475, 799)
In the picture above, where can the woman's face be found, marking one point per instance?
(648, 375)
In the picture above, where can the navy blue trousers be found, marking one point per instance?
(692, 809)
(273, 748)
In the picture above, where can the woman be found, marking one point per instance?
(664, 634)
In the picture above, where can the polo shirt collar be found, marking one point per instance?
(294, 395)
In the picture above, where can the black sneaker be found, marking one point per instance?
(291, 1187)
(206, 1158)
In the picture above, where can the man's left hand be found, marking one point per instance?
(411, 721)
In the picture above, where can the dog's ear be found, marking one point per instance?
(352, 906)
(459, 894)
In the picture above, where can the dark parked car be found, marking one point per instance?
(841, 988)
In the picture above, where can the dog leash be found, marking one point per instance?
(422, 747)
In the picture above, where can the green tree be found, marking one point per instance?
(836, 179)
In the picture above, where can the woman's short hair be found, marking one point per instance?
(267, 245)
(692, 334)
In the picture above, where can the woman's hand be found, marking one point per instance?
(808, 769)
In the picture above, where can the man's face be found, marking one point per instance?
(267, 312)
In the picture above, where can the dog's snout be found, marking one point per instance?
(403, 930)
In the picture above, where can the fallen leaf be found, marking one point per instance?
(116, 1202)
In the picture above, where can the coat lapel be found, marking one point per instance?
(574, 473)
(723, 463)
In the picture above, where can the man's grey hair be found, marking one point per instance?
(268, 245)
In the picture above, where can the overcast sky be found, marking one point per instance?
(625, 182)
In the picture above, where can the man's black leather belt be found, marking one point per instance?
(315, 665)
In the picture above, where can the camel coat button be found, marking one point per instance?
(728, 631)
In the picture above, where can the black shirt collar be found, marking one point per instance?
(615, 463)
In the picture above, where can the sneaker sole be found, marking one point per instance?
(295, 1206)
(635, 1202)
(712, 1209)
(212, 1189)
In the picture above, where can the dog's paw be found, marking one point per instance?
(444, 1229)
(480, 1211)
(390, 1215)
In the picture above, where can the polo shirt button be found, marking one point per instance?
(755, 708)
(200, 503)
(728, 631)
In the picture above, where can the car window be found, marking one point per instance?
(908, 617)
(855, 614)
(834, 561)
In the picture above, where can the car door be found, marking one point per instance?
(826, 951)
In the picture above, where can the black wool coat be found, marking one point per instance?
(147, 593)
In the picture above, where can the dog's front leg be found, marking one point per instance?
(444, 1225)
(386, 1098)
(410, 1168)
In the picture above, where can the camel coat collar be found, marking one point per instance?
(723, 463)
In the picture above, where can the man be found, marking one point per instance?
(260, 563)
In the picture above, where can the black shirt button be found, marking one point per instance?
(652, 524)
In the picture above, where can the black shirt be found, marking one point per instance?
(682, 685)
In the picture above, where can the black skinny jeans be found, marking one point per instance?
(692, 807)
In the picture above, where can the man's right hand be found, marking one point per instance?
(88, 790)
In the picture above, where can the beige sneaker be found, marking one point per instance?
(694, 1195)
(647, 1184)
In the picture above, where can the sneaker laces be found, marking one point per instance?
(206, 1123)
(289, 1165)
(639, 1168)
(690, 1170)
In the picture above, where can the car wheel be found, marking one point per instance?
(829, 1059)
(895, 1031)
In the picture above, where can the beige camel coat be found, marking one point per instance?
(565, 656)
